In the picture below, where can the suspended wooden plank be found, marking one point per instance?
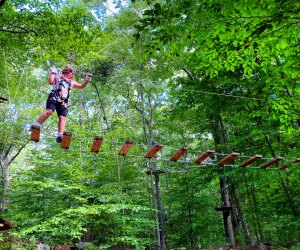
(125, 148)
(35, 133)
(179, 153)
(3, 100)
(66, 140)
(202, 157)
(153, 151)
(273, 161)
(97, 144)
(228, 158)
(250, 160)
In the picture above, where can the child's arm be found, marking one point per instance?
(82, 85)
(52, 75)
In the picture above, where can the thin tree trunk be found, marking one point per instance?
(219, 139)
(241, 215)
(161, 214)
(285, 187)
(288, 195)
(290, 200)
(190, 216)
(260, 231)
(251, 207)
(5, 183)
(226, 214)
(155, 208)
(6, 158)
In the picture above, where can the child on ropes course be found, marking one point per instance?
(57, 100)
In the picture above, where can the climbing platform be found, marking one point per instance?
(35, 133)
(179, 153)
(66, 140)
(273, 161)
(125, 148)
(205, 155)
(153, 151)
(97, 144)
(228, 158)
(250, 160)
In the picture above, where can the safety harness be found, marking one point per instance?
(61, 89)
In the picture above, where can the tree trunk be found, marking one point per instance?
(226, 214)
(161, 214)
(288, 195)
(290, 200)
(256, 212)
(6, 158)
(5, 183)
(251, 207)
(155, 212)
(147, 120)
(241, 216)
(190, 235)
(220, 138)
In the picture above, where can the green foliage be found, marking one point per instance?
(253, 45)
(211, 75)
(68, 201)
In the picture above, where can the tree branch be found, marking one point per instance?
(189, 74)
(19, 151)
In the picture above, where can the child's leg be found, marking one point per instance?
(44, 116)
(62, 112)
(61, 124)
(50, 107)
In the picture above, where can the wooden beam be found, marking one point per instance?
(250, 160)
(228, 158)
(35, 133)
(179, 153)
(204, 156)
(66, 140)
(125, 148)
(153, 151)
(273, 161)
(97, 144)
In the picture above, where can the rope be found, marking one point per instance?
(211, 93)
(227, 95)
(202, 92)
